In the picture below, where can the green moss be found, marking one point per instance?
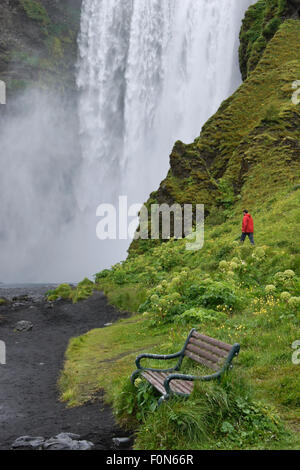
(36, 11)
(48, 60)
(261, 22)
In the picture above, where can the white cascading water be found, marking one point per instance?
(150, 72)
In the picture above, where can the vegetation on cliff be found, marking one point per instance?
(261, 22)
(248, 155)
(38, 44)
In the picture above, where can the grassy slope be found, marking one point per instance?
(253, 144)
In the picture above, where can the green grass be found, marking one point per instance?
(104, 359)
(264, 324)
(98, 359)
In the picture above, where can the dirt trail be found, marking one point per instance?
(28, 382)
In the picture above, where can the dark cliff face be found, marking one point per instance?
(38, 43)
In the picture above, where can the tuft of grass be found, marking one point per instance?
(82, 291)
(222, 416)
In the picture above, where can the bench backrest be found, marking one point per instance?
(209, 352)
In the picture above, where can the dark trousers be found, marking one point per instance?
(250, 235)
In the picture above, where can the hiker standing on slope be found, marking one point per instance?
(247, 228)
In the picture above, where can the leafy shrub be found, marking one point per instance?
(64, 291)
(218, 293)
(197, 316)
(82, 291)
(270, 289)
(133, 403)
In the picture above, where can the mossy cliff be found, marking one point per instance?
(251, 146)
(38, 43)
(260, 24)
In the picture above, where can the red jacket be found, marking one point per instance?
(248, 224)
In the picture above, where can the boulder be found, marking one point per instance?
(24, 325)
(67, 441)
(28, 442)
(63, 441)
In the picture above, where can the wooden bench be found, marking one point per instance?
(209, 352)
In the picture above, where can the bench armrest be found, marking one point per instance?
(190, 378)
(161, 357)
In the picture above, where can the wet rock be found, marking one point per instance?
(28, 442)
(121, 442)
(17, 305)
(24, 325)
(67, 441)
(21, 298)
(63, 441)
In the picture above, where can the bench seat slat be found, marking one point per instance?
(200, 360)
(204, 354)
(214, 342)
(154, 381)
(182, 386)
(157, 380)
(213, 349)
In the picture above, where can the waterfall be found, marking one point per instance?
(149, 72)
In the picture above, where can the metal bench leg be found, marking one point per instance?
(163, 398)
(134, 376)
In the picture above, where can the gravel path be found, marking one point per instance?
(29, 402)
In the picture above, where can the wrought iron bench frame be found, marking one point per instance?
(233, 352)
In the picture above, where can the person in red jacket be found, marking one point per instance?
(247, 228)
